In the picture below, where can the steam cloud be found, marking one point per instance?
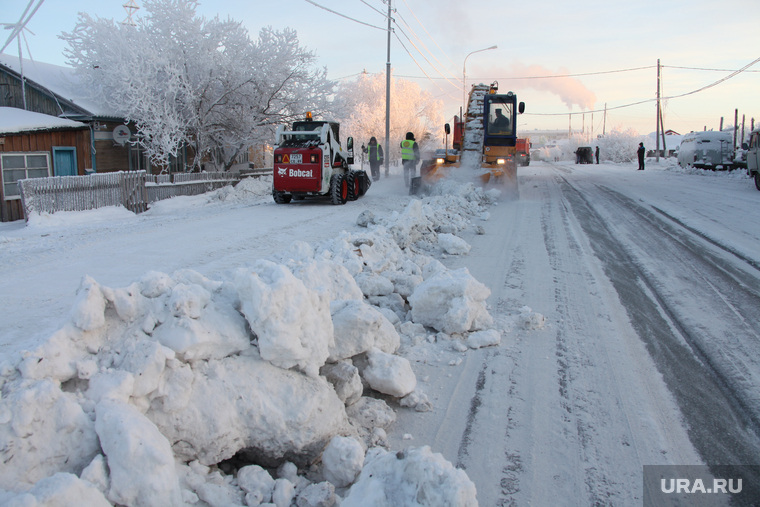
(569, 89)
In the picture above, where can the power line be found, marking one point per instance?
(422, 43)
(428, 33)
(344, 16)
(700, 68)
(428, 61)
(716, 83)
(554, 76)
(415, 62)
(384, 15)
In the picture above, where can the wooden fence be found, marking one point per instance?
(133, 189)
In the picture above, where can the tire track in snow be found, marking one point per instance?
(475, 402)
(573, 364)
(723, 429)
(722, 246)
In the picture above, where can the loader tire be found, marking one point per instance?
(281, 197)
(338, 189)
(354, 185)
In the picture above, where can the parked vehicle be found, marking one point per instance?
(753, 156)
(522, 150)
(707, 150)
(584, 155)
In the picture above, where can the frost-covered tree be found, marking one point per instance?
(620, 145)
(361, 109)
(184, 79)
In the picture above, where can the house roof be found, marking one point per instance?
(60, 81)
(14, 121)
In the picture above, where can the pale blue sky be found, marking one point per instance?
(538, 38)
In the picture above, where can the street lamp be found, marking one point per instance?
(464, 79)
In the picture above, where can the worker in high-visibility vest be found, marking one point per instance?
(375, 154)
(410, 155)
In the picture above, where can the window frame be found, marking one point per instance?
(26, 169)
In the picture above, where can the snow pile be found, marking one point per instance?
(151, 391)
(410, 477)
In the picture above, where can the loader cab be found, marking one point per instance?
(312, 126)
(500, 119)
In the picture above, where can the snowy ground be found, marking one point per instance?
(606, 320)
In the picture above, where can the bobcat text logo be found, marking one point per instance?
(298, 173)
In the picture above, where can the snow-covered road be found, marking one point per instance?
(631, 301)
(649, 352)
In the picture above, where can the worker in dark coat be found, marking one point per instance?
(410, 155)
(375, 154)
(597, 154)
(641, 152)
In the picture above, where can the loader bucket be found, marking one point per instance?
(415, 186)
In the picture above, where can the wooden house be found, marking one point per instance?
(36, 145)
(55, 91)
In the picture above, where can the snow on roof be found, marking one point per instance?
(14, 120)
(62, 81)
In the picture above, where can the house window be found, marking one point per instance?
(19, 166)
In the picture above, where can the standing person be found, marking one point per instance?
(410, 154)
(641, 151)
(375, 154)
(597, 154)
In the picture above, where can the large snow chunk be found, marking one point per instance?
(379, 250)
(42, 431)
(88, 312)
(342, 461)
(373, 284)
(245, 403)
(389, 374)
(345, 379)
(411, 225)
(60, 489)
(257, 482)
(358, 327)
(452, 302)
(453, 245)
(329, 276)
(146, 360)
(480, 339)
(370, 413)
(198, 334)
(413, 477)
(317, 495)
(139, 457)
(56, 358)
(292, 322)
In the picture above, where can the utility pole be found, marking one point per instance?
(388, 98)
(583, 125)
(604, 127)
(736, 125)
(659, 112)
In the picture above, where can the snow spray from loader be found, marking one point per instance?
(484, 144)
